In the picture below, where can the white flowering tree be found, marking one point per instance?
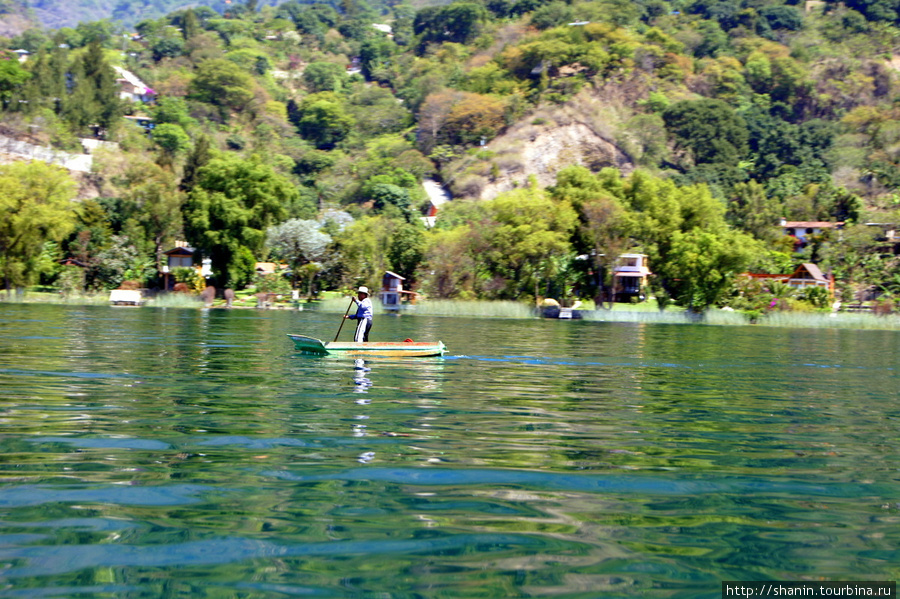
(301, 243)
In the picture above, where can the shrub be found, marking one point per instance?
(272, 283)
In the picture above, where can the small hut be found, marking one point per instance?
(178, 257)
(391, 289)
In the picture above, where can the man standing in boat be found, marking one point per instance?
(363, 315)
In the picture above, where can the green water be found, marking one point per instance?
(187, 453)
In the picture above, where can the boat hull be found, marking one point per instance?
(406, 349)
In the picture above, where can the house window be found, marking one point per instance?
(631, 284)
(180, 261)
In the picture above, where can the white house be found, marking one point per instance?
(132, 88)
(802, 229)
(631, 276)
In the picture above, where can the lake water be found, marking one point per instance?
(152, 452)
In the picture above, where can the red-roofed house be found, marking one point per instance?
(806, 275)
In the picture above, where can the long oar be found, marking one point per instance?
(343, 319)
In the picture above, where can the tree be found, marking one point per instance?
(524, 234)
(121, 261)
(299, 242)
(35, 207)
(709, 131)
(12, 77)
(452, 267)
(197, 158)
(752, 211)
(375, 59)
(155, 206)
(171, 139)
(453, 117)
(603, 231)
(92, 234)
(190, 24)
(222, 83)
(322, 119)
(94, 101)
(407, 250)
(701, 265)
(324, 77)
(231, 205)
(172, 109)
(363, 247)
(458, 22)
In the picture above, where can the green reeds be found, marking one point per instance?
(175, 300)
(475, 309)
(41, 297)
(840, 320)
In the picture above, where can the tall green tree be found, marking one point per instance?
(324, 77)
(707, 131)
(603, 225)
(232, 204)
(155, 206)
(12, 78)
(198, 157)
(323, 120)
(752, 211)
(35, 207)
(523, 237)
(407, 251)
(458, 22)
(222, 83)
(701, 265)
(93, 106)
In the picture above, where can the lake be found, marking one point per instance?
(159, 452)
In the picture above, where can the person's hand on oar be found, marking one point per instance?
(352, 299)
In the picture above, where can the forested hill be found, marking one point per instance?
(682, 130)
(15, 17)
(56, 14)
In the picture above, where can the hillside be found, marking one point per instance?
(677, 130)
(55, 14)
(15, 18)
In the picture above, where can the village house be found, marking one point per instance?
(392, 291)
(132, 88)
(801, 230)
(180, 256)
(630, 277)
(806, 275)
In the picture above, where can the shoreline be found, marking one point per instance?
(519, 311)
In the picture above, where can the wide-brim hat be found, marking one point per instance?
(363, 289)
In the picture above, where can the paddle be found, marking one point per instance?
(343, 319)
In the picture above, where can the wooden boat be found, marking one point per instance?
(405, 349)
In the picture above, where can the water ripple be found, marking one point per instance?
(590, 483)
(48, 560)
(29, 495)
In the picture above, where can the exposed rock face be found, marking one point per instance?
(545, 150)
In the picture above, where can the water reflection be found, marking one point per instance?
(360, 376)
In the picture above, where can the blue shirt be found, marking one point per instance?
(363, 310)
